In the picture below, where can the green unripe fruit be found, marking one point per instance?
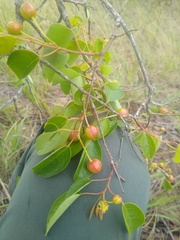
(117, 199)
(14, 27)
(27, 11)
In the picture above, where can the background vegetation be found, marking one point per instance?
(156, 28)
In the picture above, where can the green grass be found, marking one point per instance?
(155, 26)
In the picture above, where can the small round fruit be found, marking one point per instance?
(94, 166)
(27, 11)
(162, 129)
(74, 135)
(14, 27)
(161, 165)
(91, 132)
(170, 178)
(123, 111)
(117, 199)
(163, 110)
(154, 166)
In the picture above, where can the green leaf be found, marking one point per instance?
(107, 57)
(137, 137)
(166, 185)
(70, 73)
(22, 62)
(93, 149)
(76, 21)
(7, 44)
(113, 126)
(78, 81)
(49, 141)
(148, 146)
(77, 46)
(113, 91)
(55, 123)
(53, 163)
(105, 127)
(57, 59)
(133, 216)
(77, 186)
(60, 34)
(75, 147)
(60, 205)
(106, 70)
(177, 155)
(157, 142)
(98, 45)
(72, 109)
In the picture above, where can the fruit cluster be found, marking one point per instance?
(28, 12)
(91, 132)
(162, 166)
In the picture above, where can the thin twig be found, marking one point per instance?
(63, 13)
(14, 98)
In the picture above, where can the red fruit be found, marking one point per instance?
(163, 110)
(74, 135)
(91, 132)
(123, 111)
(14, 27)
(94, 166)
(27, 11)
(117, 199)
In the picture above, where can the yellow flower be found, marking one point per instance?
(103, 206)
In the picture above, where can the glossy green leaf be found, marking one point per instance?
(75, 147)
(53, 163)
(148, 146)
(177, 155)
(7, 44)
(49, 141)
(55, 123)
(133, 216)
(93, 149)
(22, 62)
(106, 69)
(60, 205)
